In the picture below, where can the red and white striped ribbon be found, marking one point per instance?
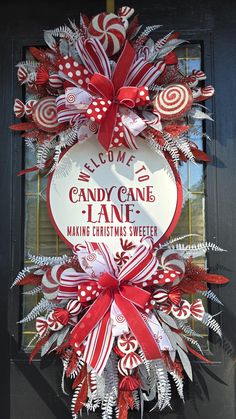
(69, 281)
(142, 265)
(143, 73)
(99, 345)
(93, 56)
(63, 113)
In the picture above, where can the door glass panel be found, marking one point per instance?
(40, 236)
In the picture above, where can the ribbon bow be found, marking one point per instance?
(119, 290)
(113, 95)
(106, 109)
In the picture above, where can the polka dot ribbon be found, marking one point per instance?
(106, 108)
(163, 277)
(127, 96)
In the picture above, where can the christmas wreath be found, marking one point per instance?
(120, 323)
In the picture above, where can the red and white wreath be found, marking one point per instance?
(121, 324)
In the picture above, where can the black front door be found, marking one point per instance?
(33, 391)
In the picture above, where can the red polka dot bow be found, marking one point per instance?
(106, 108)
(107, 97)
(111, 93)
(109, 287)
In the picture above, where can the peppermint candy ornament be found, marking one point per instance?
(203, 94)
(173, 295)
(74, 307)
(199, 74)
(19, 108)
(109, 30)
(173, 101)
(22, 75)
(29, 106)
(53, 323)
(127, 343)
(122, 370)
(41, 326)
(182, 311)
(45, 114)
(197, 309)
(131, 361)
(125, 12)
(61, 315)
(161, 296)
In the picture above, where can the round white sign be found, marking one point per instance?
(100, 196)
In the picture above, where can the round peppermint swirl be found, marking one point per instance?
(174, 101)
(109, 29)
(70, 98)
(91, 257)
(45, 114)
(93, 127)
(120, 318)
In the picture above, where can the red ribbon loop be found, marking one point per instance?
(101, 86)
(107, 280)
(136, 295)
(129, 298)
(90, 320)
(115, 91)
(127, 96)
(123, 66)
(138, 327)
(125, 297)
